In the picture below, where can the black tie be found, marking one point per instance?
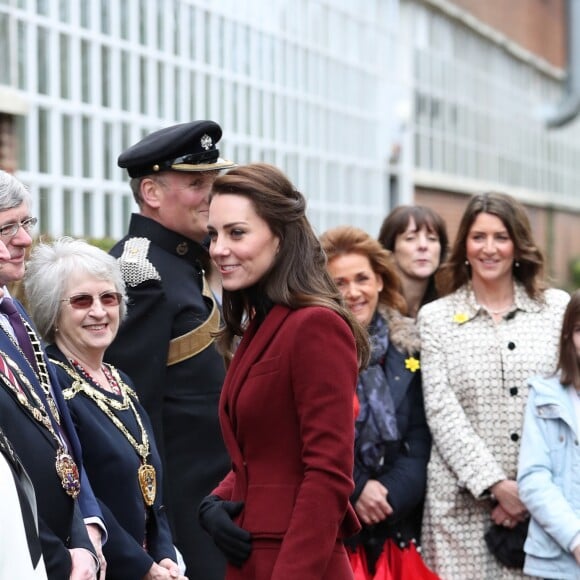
(7, 307)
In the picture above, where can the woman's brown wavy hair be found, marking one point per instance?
(344, 240)
(298, 276)
(530, 271)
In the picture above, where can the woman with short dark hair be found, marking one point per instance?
(416, 236)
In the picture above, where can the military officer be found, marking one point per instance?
(165, 344)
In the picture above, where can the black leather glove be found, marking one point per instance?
(215, 516)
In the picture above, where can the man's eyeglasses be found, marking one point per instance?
(10, 230)
(85, 301)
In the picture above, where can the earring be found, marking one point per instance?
(467, 263)
(516, 264)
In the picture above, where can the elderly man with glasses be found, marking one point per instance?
(34, 417)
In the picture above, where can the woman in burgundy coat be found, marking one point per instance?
(283, 509)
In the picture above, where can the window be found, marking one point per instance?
(109, 215)
(105, 76)
(67, 146)
(64, 10)
(109, 161)
(125, 81)
(43, 141)
(23, 69)
(21, 126)
(43, 60)
(87, 214)
(64, 46)
(5, 50)
(124, 19)
(105, 17)
(85, 72)
(67, 202)
(44, 206)
(87, 144)
(144, 87)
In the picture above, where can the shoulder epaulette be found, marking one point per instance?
(135, 265)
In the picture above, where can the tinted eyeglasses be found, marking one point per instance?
(10, 230)
(85, 301)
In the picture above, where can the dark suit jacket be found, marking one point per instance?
(112, 465)
(61, 524)
(286, 416)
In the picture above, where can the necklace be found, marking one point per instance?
(113, 384)
(65, 465)
(498, 312)
(146, 472)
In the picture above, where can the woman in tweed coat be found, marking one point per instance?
(495, 327)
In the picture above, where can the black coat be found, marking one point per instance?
(112, 463)
(61, 524)
(163, 273)
(405, 472)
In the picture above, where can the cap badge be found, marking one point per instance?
(206, 141)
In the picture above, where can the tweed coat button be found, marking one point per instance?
(513, 391)
(511, 345)
(514, 436)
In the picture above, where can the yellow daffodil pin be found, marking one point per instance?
(460, 317)
(412, 364)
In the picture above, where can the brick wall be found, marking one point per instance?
(536, 25)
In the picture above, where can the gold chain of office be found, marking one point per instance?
(146, 472)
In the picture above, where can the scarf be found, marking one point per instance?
(376, 429)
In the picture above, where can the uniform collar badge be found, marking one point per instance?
(182, 248)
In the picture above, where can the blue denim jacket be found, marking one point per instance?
(549, 480)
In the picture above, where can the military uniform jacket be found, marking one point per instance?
(475, 375)
(61, 524)
(163, 273)
(112, 464)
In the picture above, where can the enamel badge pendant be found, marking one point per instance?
(69, 474)
(148, 483)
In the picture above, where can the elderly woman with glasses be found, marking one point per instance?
(77, 299)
